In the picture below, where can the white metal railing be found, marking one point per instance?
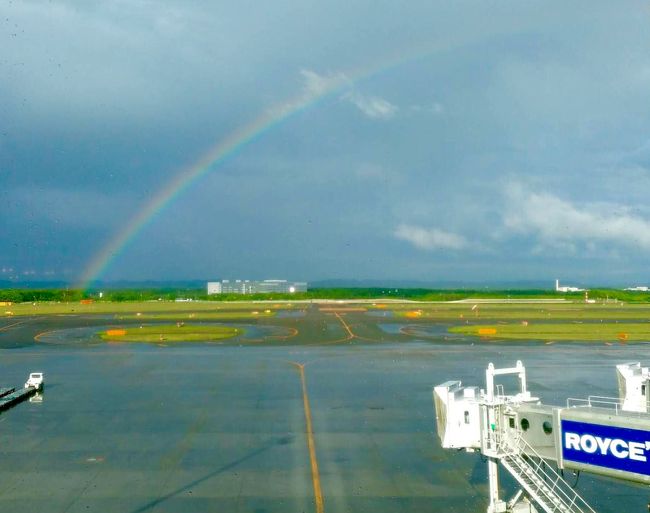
(596, 401)
(549, 484)
(613, 404)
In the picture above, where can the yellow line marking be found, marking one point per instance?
(42, 333)
(292, 333)
(351, 334)
(347, 328)
(6, 327)
(315, 475)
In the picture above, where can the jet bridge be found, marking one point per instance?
(601, 435)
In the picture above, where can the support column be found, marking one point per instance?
(496, 505)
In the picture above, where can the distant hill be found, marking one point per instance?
(433, 285)
(197, 284)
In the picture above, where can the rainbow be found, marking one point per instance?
(226, 148)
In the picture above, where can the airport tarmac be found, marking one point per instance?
(223, 427)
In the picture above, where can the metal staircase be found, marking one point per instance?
(544, 485)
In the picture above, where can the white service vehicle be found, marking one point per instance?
(35, 380)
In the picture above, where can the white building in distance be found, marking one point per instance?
(639, 288)
(566, 288)
(255, 287)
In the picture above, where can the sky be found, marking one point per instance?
(432, 141)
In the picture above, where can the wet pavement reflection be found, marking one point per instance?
(195, 428)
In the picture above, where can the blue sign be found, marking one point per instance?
(611, 447)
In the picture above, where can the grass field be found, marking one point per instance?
(522, 312)
(603, 332)
(604, 321)
(200, 316)
(143, 307)
(170, 333)
(444, 312)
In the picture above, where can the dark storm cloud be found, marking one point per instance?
(436, 166)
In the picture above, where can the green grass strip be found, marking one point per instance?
(610, 332)
(170, 333)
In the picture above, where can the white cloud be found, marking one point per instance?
(373, 107)
(317, 85)
(436, 108)
(430, 238)
(314, 86)
(560, 224)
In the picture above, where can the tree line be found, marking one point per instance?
(74, 295)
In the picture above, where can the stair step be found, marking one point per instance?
(545, 486)
(538, 487)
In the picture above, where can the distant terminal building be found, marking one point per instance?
(639, 288)
(565, 288)
(255, 287)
